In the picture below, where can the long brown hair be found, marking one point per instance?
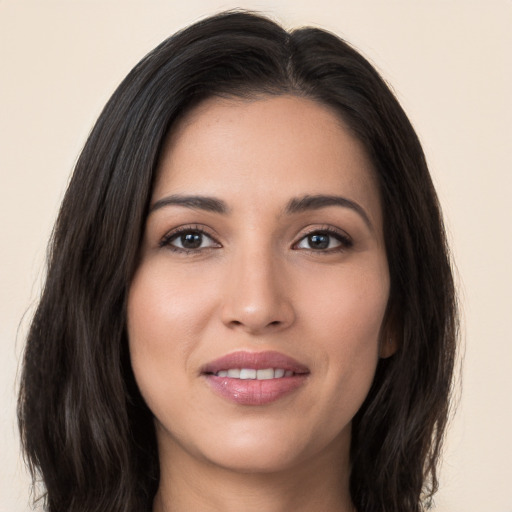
(85, 429)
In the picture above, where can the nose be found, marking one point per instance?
(258, 296)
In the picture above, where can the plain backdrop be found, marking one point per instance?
(449, 63)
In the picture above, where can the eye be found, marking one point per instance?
(188, 240)
(324, 240)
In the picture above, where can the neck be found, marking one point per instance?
(319, 484)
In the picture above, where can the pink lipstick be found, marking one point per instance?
(254, 378)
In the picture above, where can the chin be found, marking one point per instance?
(256, 459)
(272, 451)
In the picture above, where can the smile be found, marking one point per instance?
(254, 378)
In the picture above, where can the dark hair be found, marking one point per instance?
(85, 428)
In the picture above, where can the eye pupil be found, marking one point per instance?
(191, 240)
(318, 241)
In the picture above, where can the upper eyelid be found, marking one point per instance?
(200, 228)
(345, 240)
(185, 228)
(324, 229)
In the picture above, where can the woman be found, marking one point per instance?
(249, 302)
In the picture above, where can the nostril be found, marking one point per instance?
(238, 323)
(256, 317)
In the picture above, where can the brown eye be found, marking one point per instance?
(188, 240)
(324, 241)
(318, 241)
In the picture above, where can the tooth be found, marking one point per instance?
(267, 373)
(247, 373)
(251, 373)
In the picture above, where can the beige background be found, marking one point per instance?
(450, 65)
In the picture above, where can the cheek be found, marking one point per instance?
(351, 303)
(161, 322)
(169, 310)
(348, 319)
(164, 313)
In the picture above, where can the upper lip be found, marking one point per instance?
(254, 360)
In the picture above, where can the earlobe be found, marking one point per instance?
(389, 336)
(388, 346)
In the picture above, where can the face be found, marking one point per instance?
(255, 314)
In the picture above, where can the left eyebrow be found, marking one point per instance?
(316, 202)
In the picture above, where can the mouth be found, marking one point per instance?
(255, 378)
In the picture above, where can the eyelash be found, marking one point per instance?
(344, 240)
(176, 233)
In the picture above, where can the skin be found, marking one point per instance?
(255, 283)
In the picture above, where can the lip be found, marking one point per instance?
(255, 360)
(254, 392)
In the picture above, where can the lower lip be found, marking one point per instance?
(253, 391)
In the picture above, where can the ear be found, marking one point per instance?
(388, 346)
(389, 336)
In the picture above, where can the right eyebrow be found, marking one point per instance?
(209, 204)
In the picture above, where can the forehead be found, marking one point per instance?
(270, 148)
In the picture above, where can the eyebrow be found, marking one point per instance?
(295, 205)
(317, 202)
(209, 204)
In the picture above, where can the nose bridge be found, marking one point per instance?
(256, 293)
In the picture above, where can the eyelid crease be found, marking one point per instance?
(330, 230)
